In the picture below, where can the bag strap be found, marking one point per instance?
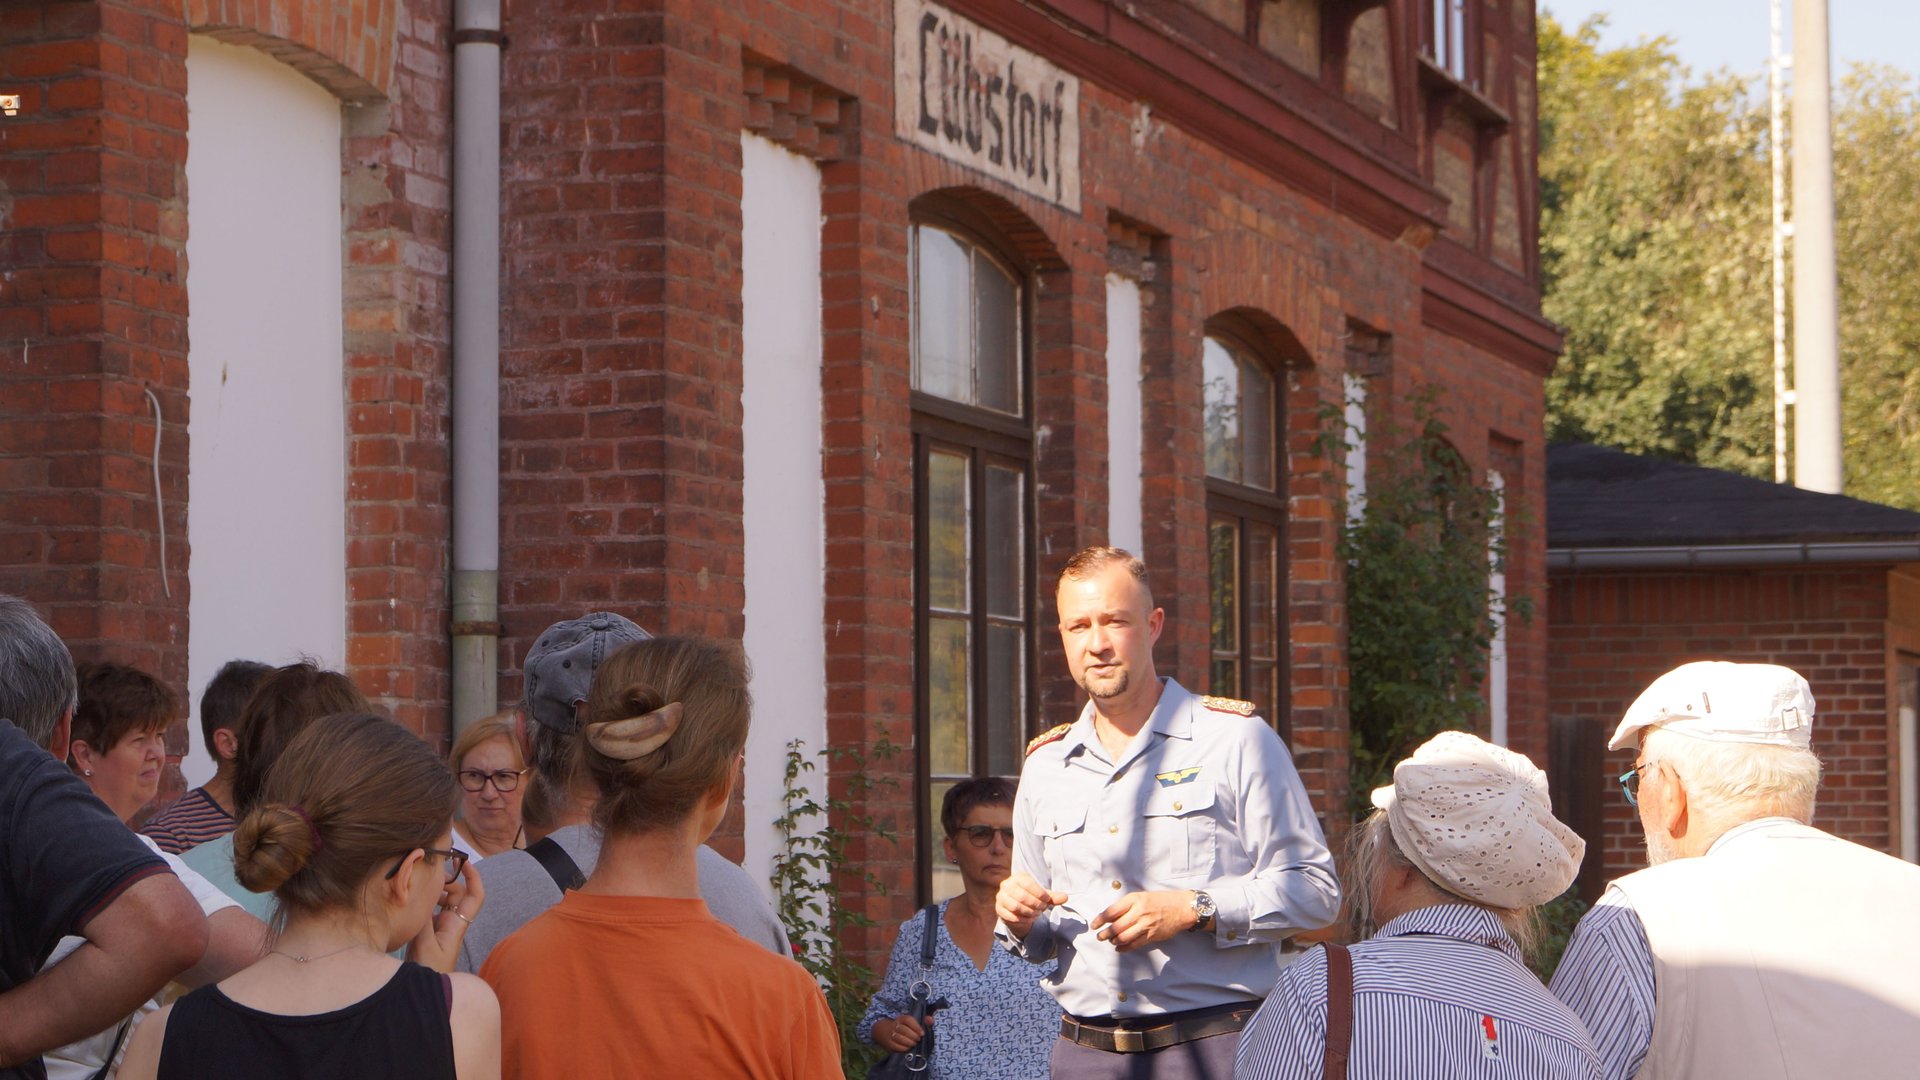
(119, 1039)
(558, 864)
(929, 935)
(1339, 1011)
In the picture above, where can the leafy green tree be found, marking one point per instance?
(1655, 212)
(1877, 196)
(1654, 218)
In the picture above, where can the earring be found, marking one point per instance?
(86, 772)
(950, 858)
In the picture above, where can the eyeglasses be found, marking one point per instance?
(1630, 782)
(982, 835)
(455, 861)
(503, 780)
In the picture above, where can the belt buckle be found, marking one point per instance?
(1129, 1041)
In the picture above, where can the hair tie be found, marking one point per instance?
(313, 831)
(635, 737)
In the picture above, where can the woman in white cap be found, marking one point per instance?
(1447, 875)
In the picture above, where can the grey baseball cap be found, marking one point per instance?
(560, 666)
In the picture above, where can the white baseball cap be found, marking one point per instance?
(1476, 818)
(1720, 701)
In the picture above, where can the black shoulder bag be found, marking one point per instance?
(913, 1063)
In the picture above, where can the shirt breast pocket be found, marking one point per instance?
(1062, 828)
(1181, 833)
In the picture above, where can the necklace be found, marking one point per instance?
(301, 958)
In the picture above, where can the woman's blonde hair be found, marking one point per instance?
(664, 725)
(497, 726)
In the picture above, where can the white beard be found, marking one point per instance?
(1659, 850)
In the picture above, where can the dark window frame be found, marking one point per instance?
(1246, 503)
(988, 438)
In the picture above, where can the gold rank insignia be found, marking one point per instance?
(1178, 776)
(1227, 704)
(1045, 737)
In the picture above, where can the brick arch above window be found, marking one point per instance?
(995, 222)
(349, 49)
(1263, 335)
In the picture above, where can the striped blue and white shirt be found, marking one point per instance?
(1606, 977)
(1439, 994)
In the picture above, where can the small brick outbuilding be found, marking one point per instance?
(1653, 563)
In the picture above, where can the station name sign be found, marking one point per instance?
(973, 97)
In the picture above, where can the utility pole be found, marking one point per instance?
(1782, 392)
(1816, 307)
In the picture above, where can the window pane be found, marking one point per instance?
(1006, 692)
(1263, 591)
(948, 538)
(942, 317)
(1006, 542)
(949, 705)
(1226, 678)
(1223, 578)
(1256, 424)
(1222, 392)
(998, 336)
(947, 881)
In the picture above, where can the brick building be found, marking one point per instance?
(833, 325)
(1654, 563)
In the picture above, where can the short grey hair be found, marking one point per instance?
(1739, 780)
(37, 684)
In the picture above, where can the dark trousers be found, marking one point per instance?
(1203, 1059)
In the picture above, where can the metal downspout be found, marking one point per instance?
(476, 360)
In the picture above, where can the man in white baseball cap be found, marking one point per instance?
(1755, 946)
(1445, 879)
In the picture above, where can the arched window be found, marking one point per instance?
(973, 454)
(1246, 526)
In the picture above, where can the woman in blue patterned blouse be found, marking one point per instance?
(1000, 1025)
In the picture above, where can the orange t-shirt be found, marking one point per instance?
(605, 986)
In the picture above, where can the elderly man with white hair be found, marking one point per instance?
(1755, 946)
(1450, 868)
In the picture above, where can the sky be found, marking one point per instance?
(1710, 34)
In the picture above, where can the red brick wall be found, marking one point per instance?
(92, 315)
(94, 218)
(1613, 633)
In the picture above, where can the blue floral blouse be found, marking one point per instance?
(1001, 1024)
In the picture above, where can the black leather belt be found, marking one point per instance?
(1141, 1034)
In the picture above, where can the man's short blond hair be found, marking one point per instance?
(1090, 561)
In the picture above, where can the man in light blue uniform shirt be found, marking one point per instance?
(1164, 848)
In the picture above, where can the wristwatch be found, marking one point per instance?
(1203, 912)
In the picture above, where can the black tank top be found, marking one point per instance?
(400, 1031)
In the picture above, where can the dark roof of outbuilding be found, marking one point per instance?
(1600, 497)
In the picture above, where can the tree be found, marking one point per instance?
(1655, 211)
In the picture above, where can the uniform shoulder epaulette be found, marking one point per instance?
(1048, 736)
(1227, 704)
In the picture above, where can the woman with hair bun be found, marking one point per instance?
(350, 832)
(631, 975)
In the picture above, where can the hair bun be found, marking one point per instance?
(271, 844)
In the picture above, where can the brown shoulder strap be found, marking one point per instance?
(1339, 1011)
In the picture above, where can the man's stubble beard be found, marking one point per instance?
(1112, 688)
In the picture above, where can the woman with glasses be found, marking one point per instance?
(486, 760)
(350, 833)
(631, 975)
(999, 1023)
